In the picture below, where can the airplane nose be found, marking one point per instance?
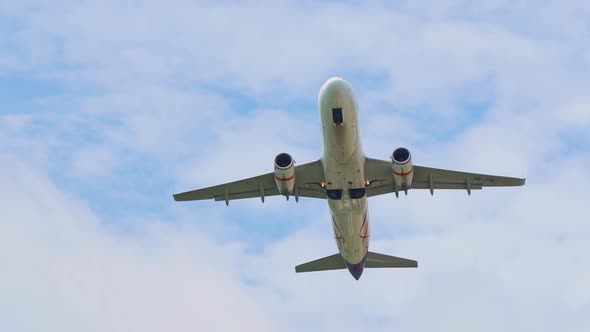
(334, 84)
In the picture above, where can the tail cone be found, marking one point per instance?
(356, 269)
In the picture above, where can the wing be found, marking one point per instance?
(308, 178)
(380, 173)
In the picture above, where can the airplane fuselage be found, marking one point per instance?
(343, 161)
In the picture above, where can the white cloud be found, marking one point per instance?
(153, 94)
(63, 270)
(94, 161)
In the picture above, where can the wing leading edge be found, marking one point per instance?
(307, 184)
(380, 173)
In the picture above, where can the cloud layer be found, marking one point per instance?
(110, 106)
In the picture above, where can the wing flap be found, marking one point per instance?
(444, 185)
(303, 192)
(387, 188)
(443, 176)
(268, 191)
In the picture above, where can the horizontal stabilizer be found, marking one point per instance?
(372, 261)
(375, 260)
(334, 262)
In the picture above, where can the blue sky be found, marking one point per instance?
(108, 107)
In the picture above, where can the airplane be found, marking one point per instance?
(346, 178)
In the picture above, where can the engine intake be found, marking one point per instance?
(285, 173)
(283, 160)
(401, 162)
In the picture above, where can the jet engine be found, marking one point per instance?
(285, 173)
(401, 161)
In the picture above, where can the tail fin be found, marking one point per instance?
(334, 262)
(375, 260)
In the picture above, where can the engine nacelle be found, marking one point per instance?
(401, 161)
(285, 173)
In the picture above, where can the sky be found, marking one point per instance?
(108, 107)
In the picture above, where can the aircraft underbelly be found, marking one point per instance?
(343, 162)
(351, 228)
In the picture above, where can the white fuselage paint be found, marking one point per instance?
(343, 162)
